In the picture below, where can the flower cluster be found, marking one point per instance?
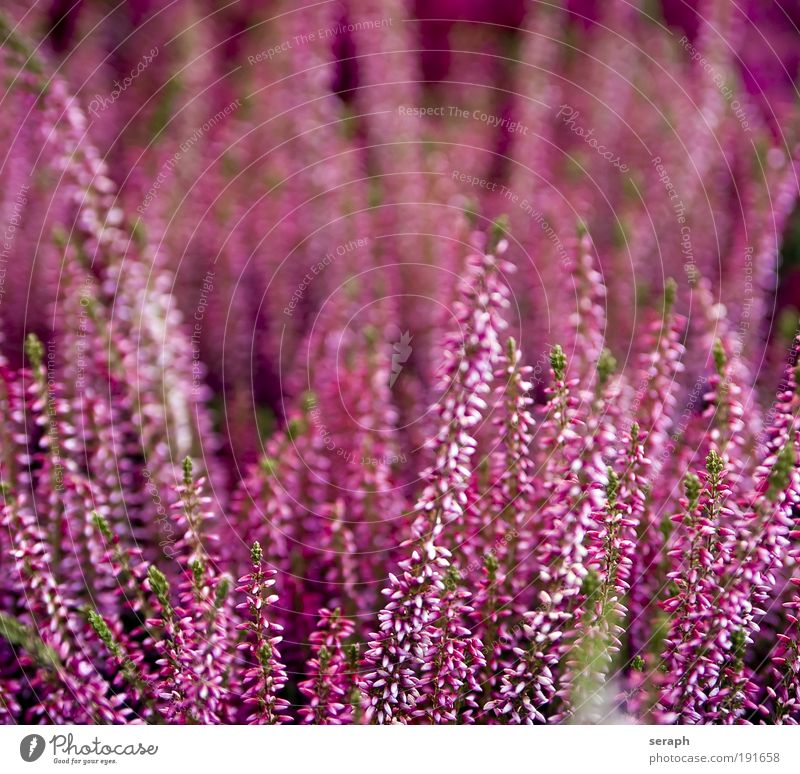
(480, 422)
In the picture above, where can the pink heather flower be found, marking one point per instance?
(198, 628)
(659, 372)
(131, 649)
(724, 412)
(69, 688)
(401, 650)
(783, 687)
(173, 635)
(783, 690)
(290, 280)
(693, 649)
(263, 676)
(513, 470)
(265, 498)
(612, 545)
(328, 685)
(9, 707)
(762, 548)
(449, 685)
(562, 422)
(589, 319)
(471, 358)
(491, 547)
(654, 405)
(493, 611)
(528, 685)
(357, 539)
(341, 557)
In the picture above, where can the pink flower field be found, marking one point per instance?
(377, 362)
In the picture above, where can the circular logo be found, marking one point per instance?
(31, 748)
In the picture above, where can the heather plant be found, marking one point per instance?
(335, 389)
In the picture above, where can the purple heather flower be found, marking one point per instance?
(328, 684)
(693, 649)
(449, 685)
(300, 293)
(263, 676)
(402, 649)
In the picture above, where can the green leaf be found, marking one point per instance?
(23, 636)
